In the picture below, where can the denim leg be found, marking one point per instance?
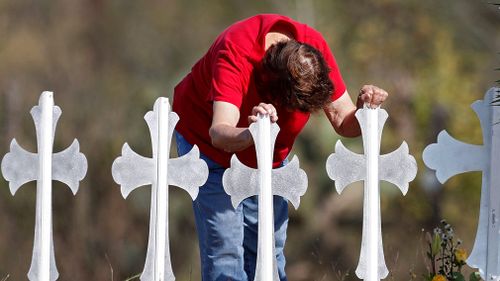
(250, 220)
(220, 232)
(280, 227)
(219, 226)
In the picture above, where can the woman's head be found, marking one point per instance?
(294, 75)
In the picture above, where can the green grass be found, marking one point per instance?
(133, 277)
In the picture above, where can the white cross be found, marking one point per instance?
(346, 167)
(241, 182)
(450, 157)
(20, 166)
(132, 170)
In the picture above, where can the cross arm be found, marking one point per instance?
(290, 182)
(70, 166)
(399, 167)
(132, 170)
(188, 172)
(238, 176)
(450, 157)
(345, 167)
(19, 166)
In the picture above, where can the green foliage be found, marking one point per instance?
(474, 276)
(445, 255)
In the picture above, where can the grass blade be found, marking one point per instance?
(133, 277)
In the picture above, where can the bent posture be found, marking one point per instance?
(267, 64)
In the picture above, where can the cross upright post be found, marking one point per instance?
(346, 167)
(266, 221)
(241, 182)
(450, 157)
(20, 166)
(132, 170)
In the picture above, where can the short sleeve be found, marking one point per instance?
(229, 77)
(338, 83)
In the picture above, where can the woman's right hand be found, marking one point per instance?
(263, 108)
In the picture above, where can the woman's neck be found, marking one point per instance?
(274, 37)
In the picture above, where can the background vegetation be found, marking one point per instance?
(107, 61)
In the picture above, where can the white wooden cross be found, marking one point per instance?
(450, 157)
(132, 170)
(20, 166)
(346, 167)
(241, 182)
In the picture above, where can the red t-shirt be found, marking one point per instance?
(224, 73)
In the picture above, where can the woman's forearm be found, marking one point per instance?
(229, 138)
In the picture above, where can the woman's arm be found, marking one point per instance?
(341, 112)
(224, 133)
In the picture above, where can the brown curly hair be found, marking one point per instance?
(294, 75)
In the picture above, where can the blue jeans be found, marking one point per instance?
(228, 236)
